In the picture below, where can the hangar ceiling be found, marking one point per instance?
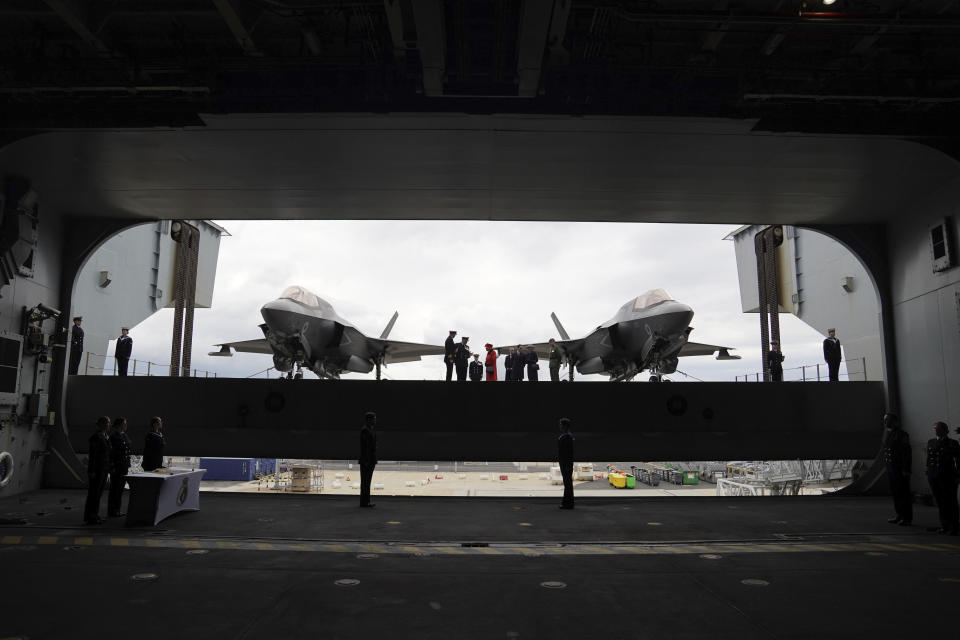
(478, 167)
(888, 66)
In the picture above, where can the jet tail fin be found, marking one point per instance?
(556, 322)
(389, 327)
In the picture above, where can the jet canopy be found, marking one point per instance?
(650, 298)
(301, 295)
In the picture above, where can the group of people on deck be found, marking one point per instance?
(519, 361)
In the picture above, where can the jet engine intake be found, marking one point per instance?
(591, 365)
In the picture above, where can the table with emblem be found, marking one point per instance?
(156, 496)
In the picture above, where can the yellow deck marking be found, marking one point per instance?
(47, 540)
(924, 547)
(490, 551)
(264, 546)
(300, 547)
(11, 539)
(600, 551)
(457, 551)
(338, 548)
(409, 549)
(227, 544)
(644, 551)
(119, 542)
(83, 540)
(372, 548)
(156, 543)
(192, 544)
(702, 548)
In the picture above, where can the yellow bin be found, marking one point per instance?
(618, 480)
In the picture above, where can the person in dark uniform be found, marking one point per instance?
(368, 456)
(943, 463)
(565, 445)
(123, 351)
(832, 354)
(76, 346)
(533, 365)
(476, 369)
(508, 365)
(556, 359)
(153, 446)
(519, 363)
(98, 467)
(120, 461)
(897, 455)
(449, 350)
(461, 358)
(775, 362)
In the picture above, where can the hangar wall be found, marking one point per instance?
(22, 430)
(427, 420)
(926, 316)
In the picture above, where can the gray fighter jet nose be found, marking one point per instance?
(280, 317)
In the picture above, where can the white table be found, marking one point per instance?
(155, 496)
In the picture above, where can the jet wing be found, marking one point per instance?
(700, 349)
(245, 346)
(397, 351)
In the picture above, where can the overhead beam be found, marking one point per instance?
(232, 19)
(535, 20)
(866, 42)
(395, 24)
(69, 13)
(773, 42)
(432, 43)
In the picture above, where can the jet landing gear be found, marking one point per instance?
(298, 375)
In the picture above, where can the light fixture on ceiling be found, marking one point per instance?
(827, 3)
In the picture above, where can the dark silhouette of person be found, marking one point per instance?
(775, 362)
(461, 357)
(565, 446)
(533, 365)
(123, 350)
(76, 346)
(508, 364)
(897, 456)
(120, 448)
(476, 369)
(943, 463)
(98, 467)
(556, 359)
(153, 445)
(449, 351)
(832, 353)
(368, 456)
(519, 364)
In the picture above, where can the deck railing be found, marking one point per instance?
(856, 370)
(95, 364)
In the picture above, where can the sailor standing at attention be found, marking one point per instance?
(461, 358)
(832, 354)
(476, 369)
(508, 365)
(123, 351)
(556, 358)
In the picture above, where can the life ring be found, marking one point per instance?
(6, 468)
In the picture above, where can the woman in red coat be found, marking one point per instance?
(491, 362)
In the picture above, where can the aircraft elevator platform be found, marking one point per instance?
(427, 420)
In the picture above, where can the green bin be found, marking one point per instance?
(631, 481)
(691, 477)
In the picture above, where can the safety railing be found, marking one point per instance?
(98, 364)
(856, 369)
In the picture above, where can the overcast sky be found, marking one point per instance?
(492, 281)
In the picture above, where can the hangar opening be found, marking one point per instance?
(499, 281)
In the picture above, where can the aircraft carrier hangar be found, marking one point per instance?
(839, 117)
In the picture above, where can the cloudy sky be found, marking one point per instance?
(492, 281)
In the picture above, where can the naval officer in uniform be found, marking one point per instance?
(832, 354)
(449, 351)
(368, 456)
(153, 446)
(565, 456)
(120, 459)
(98, 466)
(897, 456)
(943, 465)
(76, 346)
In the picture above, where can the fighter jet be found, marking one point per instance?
(301, 329)
(648, 333)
